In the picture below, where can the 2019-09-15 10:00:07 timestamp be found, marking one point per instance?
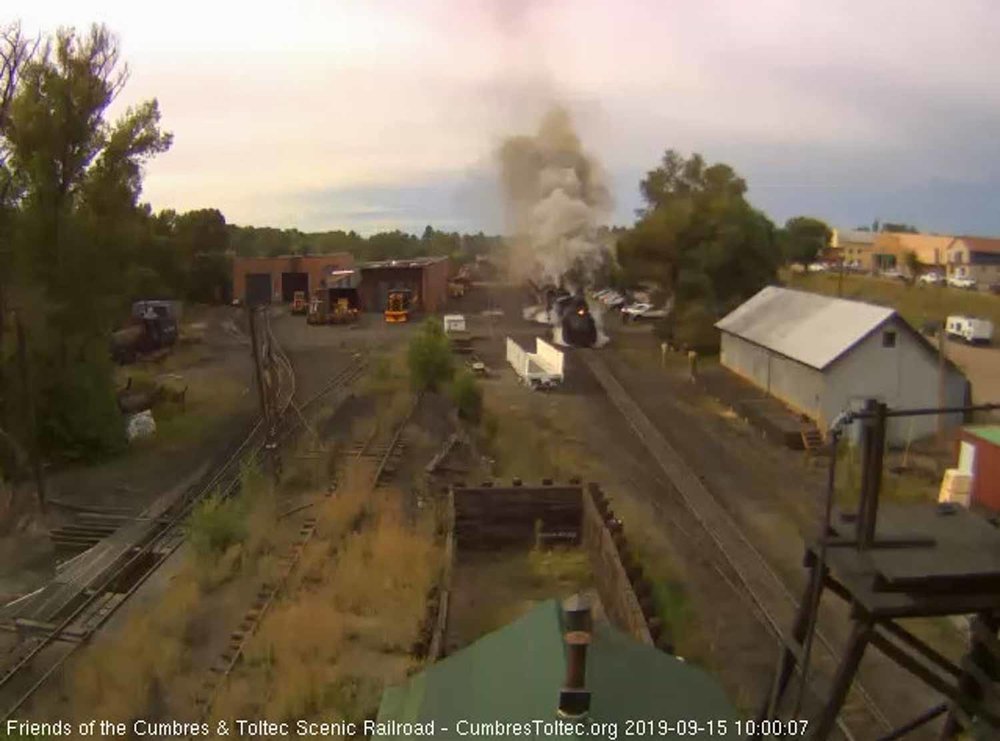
(720, 728)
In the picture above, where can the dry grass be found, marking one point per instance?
(495, 588)
(120, 679)
(917, 304)
(530, 437)
(353, 610)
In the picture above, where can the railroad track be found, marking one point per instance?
(21, 675)
(269, 591)
(764, 586)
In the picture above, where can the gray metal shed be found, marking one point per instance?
(822, 355)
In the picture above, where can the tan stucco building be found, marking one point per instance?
(975, 257)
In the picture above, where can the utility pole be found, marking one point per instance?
(942, 379)
(34, 454)
(943, 354)
(262, 389)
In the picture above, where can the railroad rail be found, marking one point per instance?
(154, 541)
(764, 586)
(269, 592)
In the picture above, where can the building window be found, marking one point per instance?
(889, 339)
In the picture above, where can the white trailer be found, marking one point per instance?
(454, 323)
(970, 329)
(541, 369)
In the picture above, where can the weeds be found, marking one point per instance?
(467, 396)
(216, 524)
(357, 594)
(118, 680)
(429, 357)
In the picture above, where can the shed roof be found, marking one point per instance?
(854, 236)
(409, 262)
(989, 433)
(807, 327)
(514, 675)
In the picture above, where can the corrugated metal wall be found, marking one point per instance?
(985, 471)
(798, 385)
(903, 376)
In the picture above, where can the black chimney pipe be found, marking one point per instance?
(574, 697)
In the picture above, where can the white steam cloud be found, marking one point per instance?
(556, 200)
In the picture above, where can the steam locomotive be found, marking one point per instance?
(570, 317)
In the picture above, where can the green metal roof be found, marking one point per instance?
(513, 675)
(990, 433)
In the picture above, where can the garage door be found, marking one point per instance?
(292, 282)
(258, 288)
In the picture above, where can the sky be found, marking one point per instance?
(382, 114)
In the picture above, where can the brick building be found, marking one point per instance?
(276, 279)
(426, 277)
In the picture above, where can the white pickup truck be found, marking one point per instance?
(542, 369)
(971, 329)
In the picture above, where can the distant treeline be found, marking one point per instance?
(270, 242)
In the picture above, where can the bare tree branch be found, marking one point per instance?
(16, 51)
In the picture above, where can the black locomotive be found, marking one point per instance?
(577, 323)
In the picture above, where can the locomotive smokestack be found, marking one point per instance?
(574, 697)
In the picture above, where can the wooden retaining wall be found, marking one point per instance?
(603, 540)
(492, 516)
(488, 516)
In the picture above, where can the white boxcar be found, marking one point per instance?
(541, 369)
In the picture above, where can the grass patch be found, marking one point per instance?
(529, 438)
(120, 679)
(353, 609)
(897, 486)
(917, 304)
(502, 586)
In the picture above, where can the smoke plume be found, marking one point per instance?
(555, 200)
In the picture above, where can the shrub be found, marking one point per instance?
(78, 412)
(216, 524)
(468, 397)
(429, 357)
(692, 327)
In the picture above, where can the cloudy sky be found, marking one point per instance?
(376, 114)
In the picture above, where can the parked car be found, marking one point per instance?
(892, 274)
(971, 329)
(612, 299)
(959, 281)
(931, 278)
(643, 310)
(817, 267)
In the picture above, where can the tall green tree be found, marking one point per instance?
(700, 238)
(74, 225)
(803, 238)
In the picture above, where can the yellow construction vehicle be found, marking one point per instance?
(397, 307)
(342, 312)
(323, 309)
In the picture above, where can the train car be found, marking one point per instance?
(575, 321)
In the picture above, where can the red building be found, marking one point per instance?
(979, 455)
(268, 280)
(425, 277)
(276, 279)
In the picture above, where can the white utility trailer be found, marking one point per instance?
(454, 323)
(541, 369)
(970, 329)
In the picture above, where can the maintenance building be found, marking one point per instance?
(821, 356)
